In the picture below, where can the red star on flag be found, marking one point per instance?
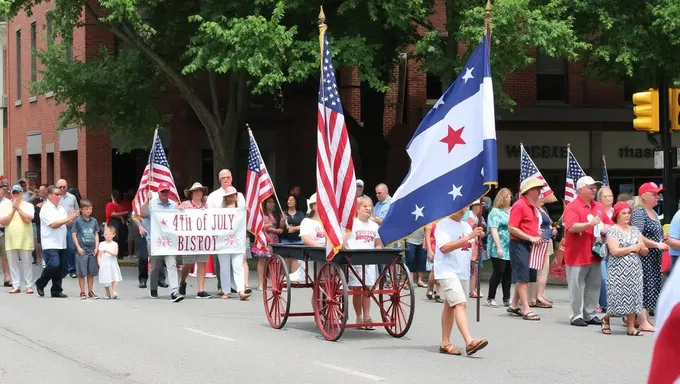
(453, 137)
(164, 223)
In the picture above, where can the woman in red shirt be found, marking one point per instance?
(116, 216)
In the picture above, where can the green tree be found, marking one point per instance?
(217, 54)
(518, 27)
(630, 40)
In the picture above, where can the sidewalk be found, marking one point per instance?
(485, 272)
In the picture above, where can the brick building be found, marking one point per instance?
(553, 97)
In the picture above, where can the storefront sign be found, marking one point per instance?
(198, 231)
(630, 150)
(548, 149)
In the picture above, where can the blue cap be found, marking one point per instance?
(17, 188)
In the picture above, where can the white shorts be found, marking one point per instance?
(455, 290)
(369, 279)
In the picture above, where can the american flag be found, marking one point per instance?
(258, 189)
(574, 172)
(529, 170)
(537, 255)
(157, 170)
(335, 178)
(605, 175)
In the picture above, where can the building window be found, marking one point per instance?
(433, 87)
(19, 168)
(34, 59)
(18, 50)
(48, 27)
(551, 79)
(628, 91)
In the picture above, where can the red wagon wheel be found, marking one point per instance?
(399, 306)
(330, 301)
(276, 293)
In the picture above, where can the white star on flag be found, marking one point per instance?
(439, 102)
(455, 192)
(468, 74)
(418, 213)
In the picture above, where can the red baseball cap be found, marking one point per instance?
(649, 187)
(164, 186)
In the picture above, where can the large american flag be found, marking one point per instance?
(574, 172)
(528, 170)
(335, 179)
(157, 170)
(258, 189)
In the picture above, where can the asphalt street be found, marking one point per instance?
(141, 340)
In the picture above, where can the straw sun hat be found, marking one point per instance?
(194, 187)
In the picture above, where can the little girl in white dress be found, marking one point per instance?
(107, 256)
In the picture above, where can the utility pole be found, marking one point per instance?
(669, 200)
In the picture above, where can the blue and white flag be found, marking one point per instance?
(453, 153)
(605, 175)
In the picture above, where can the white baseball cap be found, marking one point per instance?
(585, 181)
(360, 183)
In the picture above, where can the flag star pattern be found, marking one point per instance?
(455, 142)
(605, 175)
(156, 172)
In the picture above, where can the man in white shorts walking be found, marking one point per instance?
(454, 240)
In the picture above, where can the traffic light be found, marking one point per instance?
(674, 110)
(646, 111)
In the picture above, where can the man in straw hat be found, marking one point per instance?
(197, 195)
(584, 221)
(524, 232)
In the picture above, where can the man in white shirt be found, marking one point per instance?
(53, 222)
(3, 255)
(454, 239)
(215, 201)
(70, 204)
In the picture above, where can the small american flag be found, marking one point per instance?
(258, 189)
(529, 170)
(537, 256)
(335, 179)
(574, 172)
(605, 175)
(157, 170)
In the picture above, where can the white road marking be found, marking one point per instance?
(209, 334)
(350, 371)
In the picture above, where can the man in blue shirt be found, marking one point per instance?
(162, 202)
(383, 205)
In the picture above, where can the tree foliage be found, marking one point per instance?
(518, 27)
(216, 53)
(637, 41)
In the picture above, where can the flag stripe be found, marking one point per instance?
(258, 188)
(156, 171)
(537, 255)
(574, 172)
(335, 177)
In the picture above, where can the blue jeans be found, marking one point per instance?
(416, 257)
(603, 287)
(286, 241)
(70, 255)
(52, 271)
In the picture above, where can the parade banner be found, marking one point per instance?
(198, 231)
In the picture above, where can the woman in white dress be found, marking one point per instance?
(364, 235)
(232, 261)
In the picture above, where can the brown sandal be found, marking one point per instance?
(542, 304)
(15, 290)
(449, 350)
(475, 345)
(606, 329)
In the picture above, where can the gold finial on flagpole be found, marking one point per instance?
(322, 18)
(487, 18)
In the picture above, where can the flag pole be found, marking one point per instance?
(250, 133)
(153, 147)
(487, 33)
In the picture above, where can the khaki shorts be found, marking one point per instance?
(455, 290)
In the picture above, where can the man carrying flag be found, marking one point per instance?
(453, 163)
